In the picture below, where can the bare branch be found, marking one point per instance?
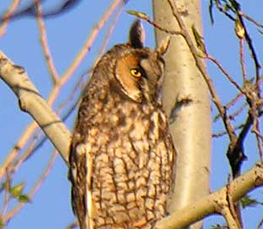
(19, 206)
(215, 202)
(7, 16)
(221, 68)
(30, 10)
(250, 19)
(44, 43)
(31, 102)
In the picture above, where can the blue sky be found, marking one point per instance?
(50, 207)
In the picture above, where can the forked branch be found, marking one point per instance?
(216, 202)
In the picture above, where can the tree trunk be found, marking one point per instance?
(186, 101)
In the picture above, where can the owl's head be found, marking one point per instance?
(138, 70)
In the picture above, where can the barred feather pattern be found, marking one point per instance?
(122, 155)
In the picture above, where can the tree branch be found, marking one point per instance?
(31, 102)
(215, 202)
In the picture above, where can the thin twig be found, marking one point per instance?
(242, 62)
(110, 31)
(231, 80)
(201, 67)
(234, 208)
(237, 112)
(72, 225)
(28, 152)
(33, 191)
(251, 48)
(260, 224)
(29, 10)
(56, 89)
(250, 19)
(6, 188)
(44, 43)
(259, 137)
(87, 45)
(165, 30)
(232, 223)
(234, 100)
(223, 10)
(8, 15)
(229, 104)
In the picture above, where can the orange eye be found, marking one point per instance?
(136, 72)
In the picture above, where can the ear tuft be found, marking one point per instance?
(164, 45)
(137, 34)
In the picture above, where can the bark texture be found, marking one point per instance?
(186, 101)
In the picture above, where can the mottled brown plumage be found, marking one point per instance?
(122, 156)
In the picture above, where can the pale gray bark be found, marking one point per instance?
(191, 121)
(190, 127)
(217, 202)
(31, 102)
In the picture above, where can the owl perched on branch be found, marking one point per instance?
(122, 155)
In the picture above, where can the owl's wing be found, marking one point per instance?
(80, 162)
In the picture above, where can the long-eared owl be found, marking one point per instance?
(121, 155)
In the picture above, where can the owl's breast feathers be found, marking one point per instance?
(121, 160)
